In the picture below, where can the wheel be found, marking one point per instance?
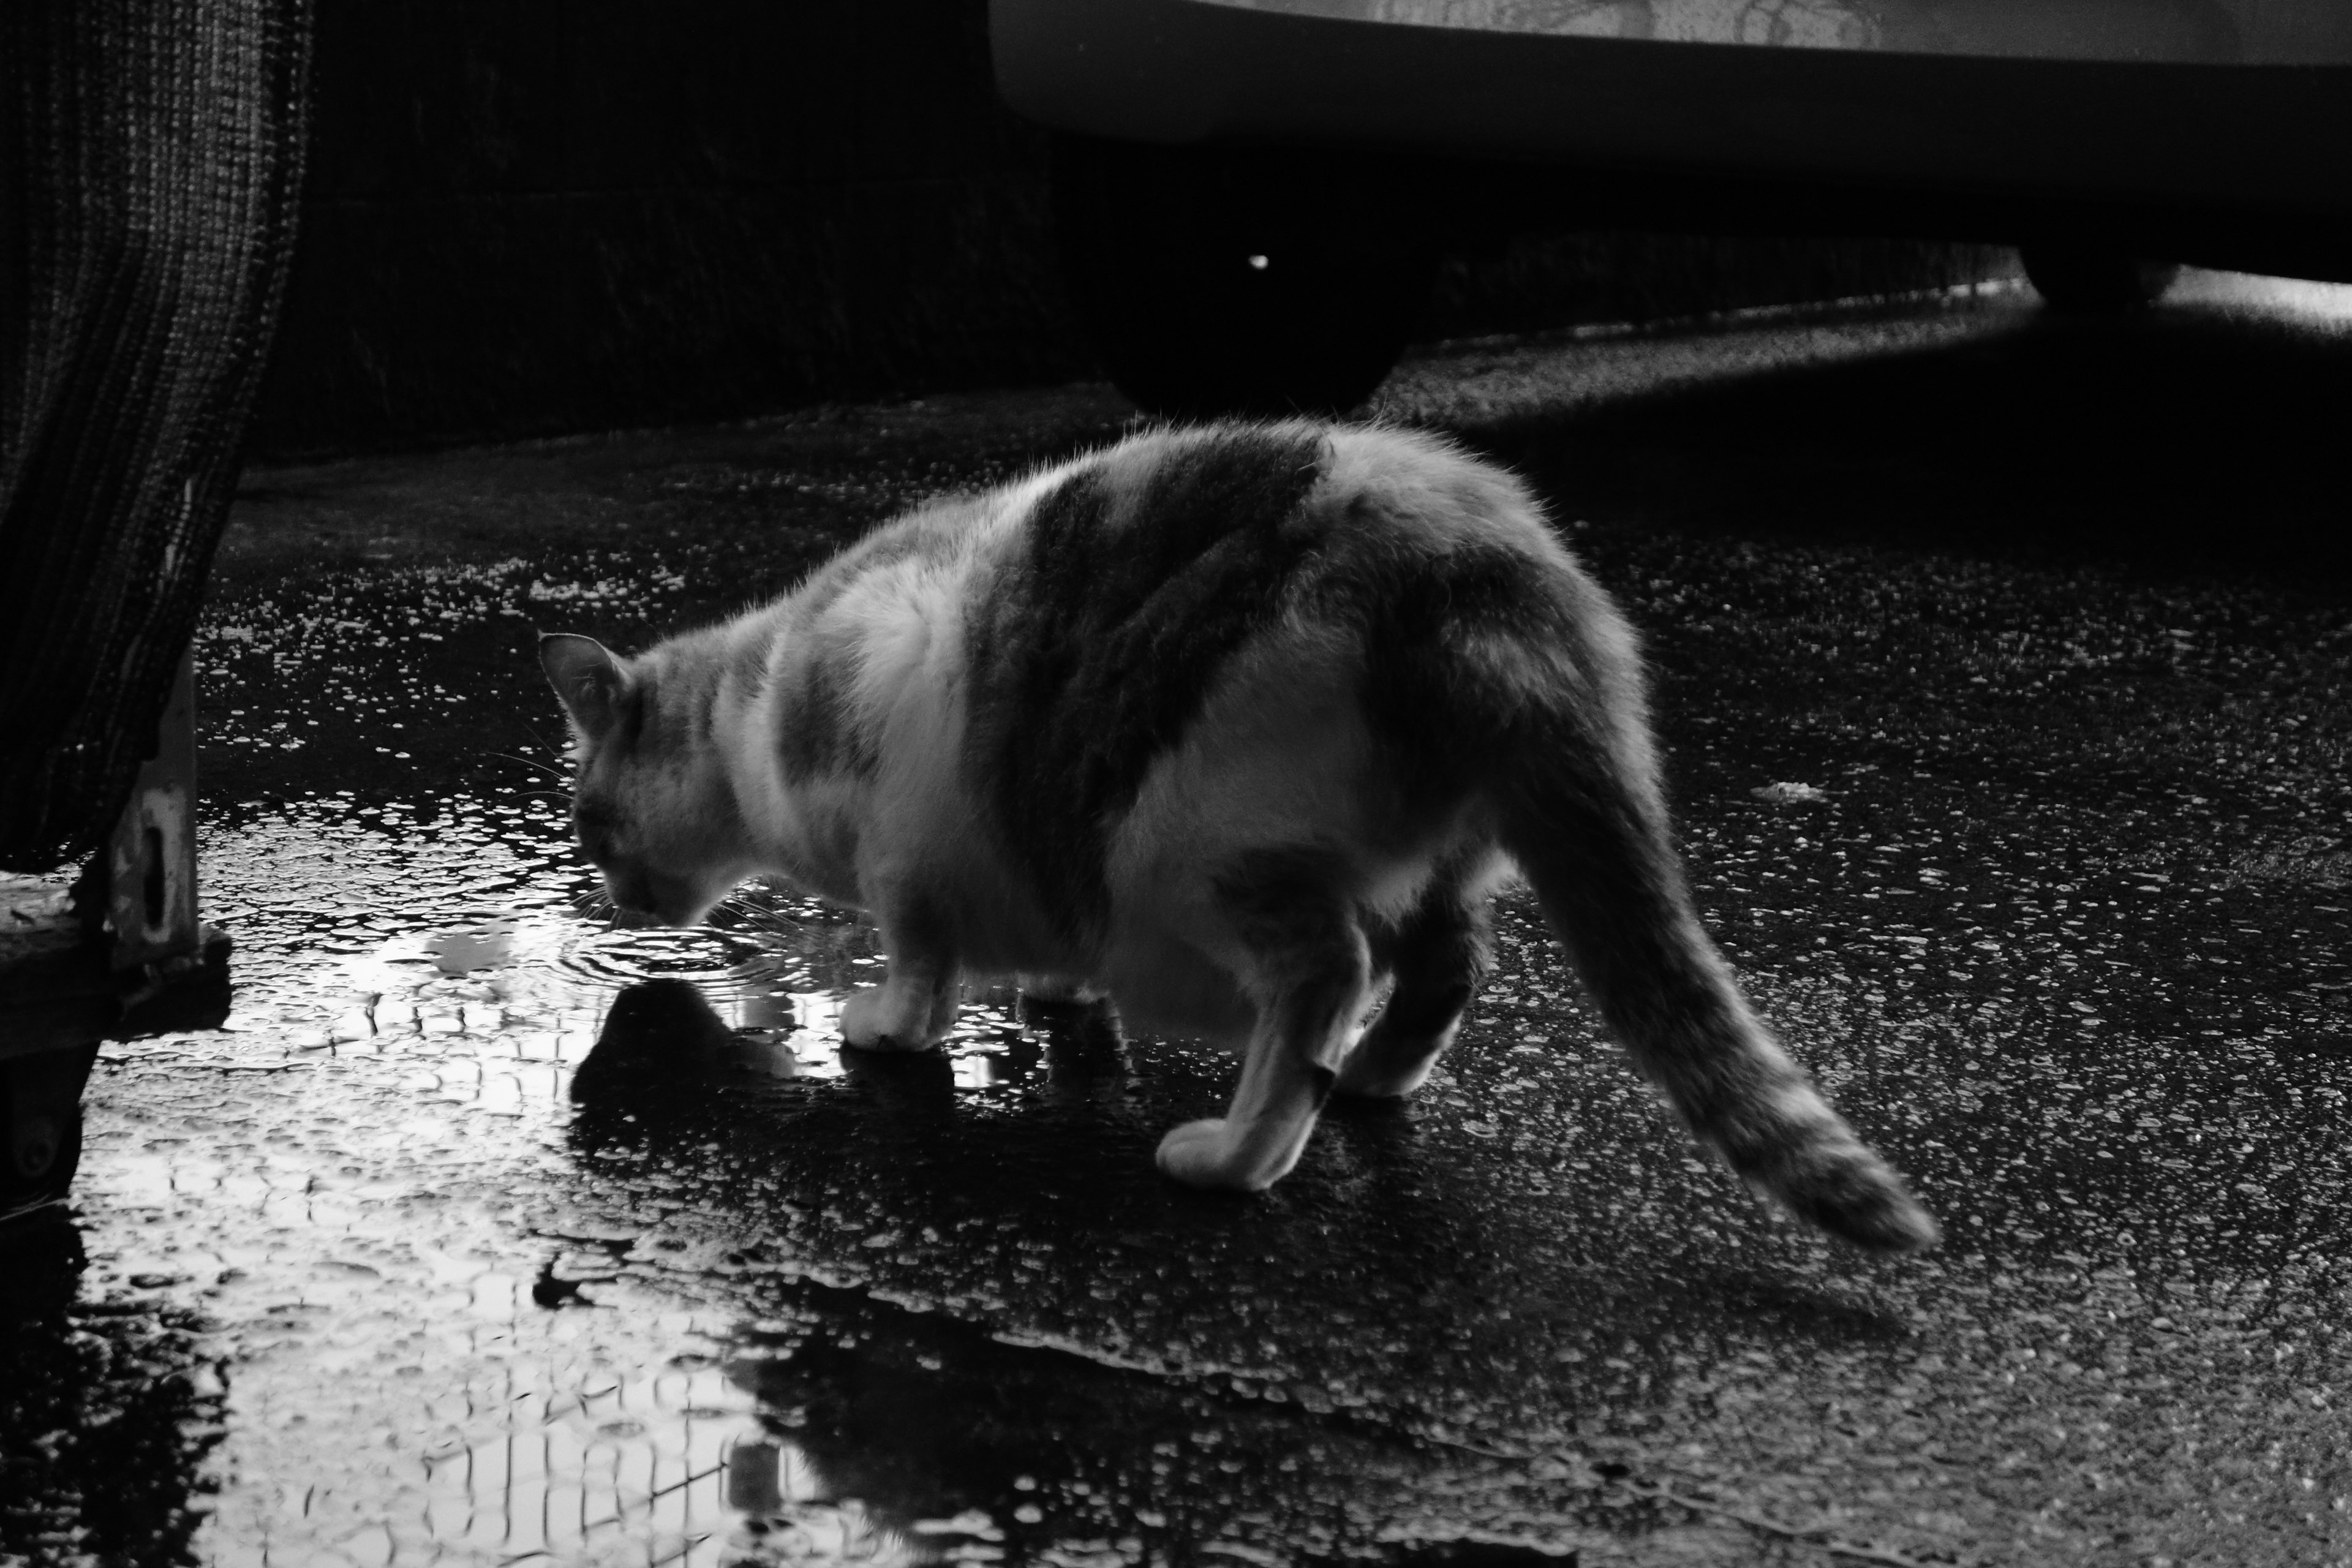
(40, 1143)
(2092, 280)
(1215, 282)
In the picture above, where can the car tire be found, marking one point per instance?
(1215, 282)
(2091, 280)
(42, 1168)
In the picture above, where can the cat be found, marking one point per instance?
(1243, 725)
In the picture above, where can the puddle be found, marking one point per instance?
(467, 928)
(427, 1027)
(498, 1234)
(503, 1235)
(484, 1232)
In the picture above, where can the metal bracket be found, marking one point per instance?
(151, 861)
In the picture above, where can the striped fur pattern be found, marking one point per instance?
(1243, 725)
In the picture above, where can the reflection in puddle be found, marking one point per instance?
(644, 1462)
(522, 1239)
(361, 1279)
(473, 944)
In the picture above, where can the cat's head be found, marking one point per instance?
(652, 806)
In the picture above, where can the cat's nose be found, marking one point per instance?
(632, 893)
(646, 897)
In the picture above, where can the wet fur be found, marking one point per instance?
(1243, 725)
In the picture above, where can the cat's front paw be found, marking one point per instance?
(872, 1019)
(1207, 1154)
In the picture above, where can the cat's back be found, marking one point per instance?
(1202, 526)
(1186, 537)
(1135, 582)
(1267, 494)
(934, 544)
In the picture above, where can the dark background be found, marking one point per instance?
(548, 216)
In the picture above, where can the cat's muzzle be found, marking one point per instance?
(646, 898)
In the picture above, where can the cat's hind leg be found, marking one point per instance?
(1307, 969)
(1438, 955)
(915, 1004)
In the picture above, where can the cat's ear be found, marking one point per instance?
(588, 679)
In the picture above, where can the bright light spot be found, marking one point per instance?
(2332, 300)
(1257, 263)
(2278, 296)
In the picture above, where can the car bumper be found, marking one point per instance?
(2113, 119)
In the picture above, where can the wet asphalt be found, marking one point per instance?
(2002, 677)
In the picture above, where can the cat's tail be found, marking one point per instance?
(1580, 810)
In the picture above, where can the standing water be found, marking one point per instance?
(485, 1232)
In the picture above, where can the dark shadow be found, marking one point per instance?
(196, 998)
(1472, 1554)
(103, 1432)
(922, 1417)
(2188, 440)
(1029, 1205)
(1065, 1159)
(41, 1260)
(918, 1086)
(667, 1071)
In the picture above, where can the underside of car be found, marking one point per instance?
(1252, 195)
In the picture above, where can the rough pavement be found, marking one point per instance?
(2001, 671)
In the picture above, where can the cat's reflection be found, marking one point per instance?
(657, 1072)
(656, 1033)
(665, 1062)
(1085, 1051)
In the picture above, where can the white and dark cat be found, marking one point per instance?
(1243, 725)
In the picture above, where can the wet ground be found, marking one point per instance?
(2001, 676)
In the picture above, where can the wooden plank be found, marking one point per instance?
(57, 987)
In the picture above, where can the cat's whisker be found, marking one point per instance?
(530, 763)
(594, 903)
